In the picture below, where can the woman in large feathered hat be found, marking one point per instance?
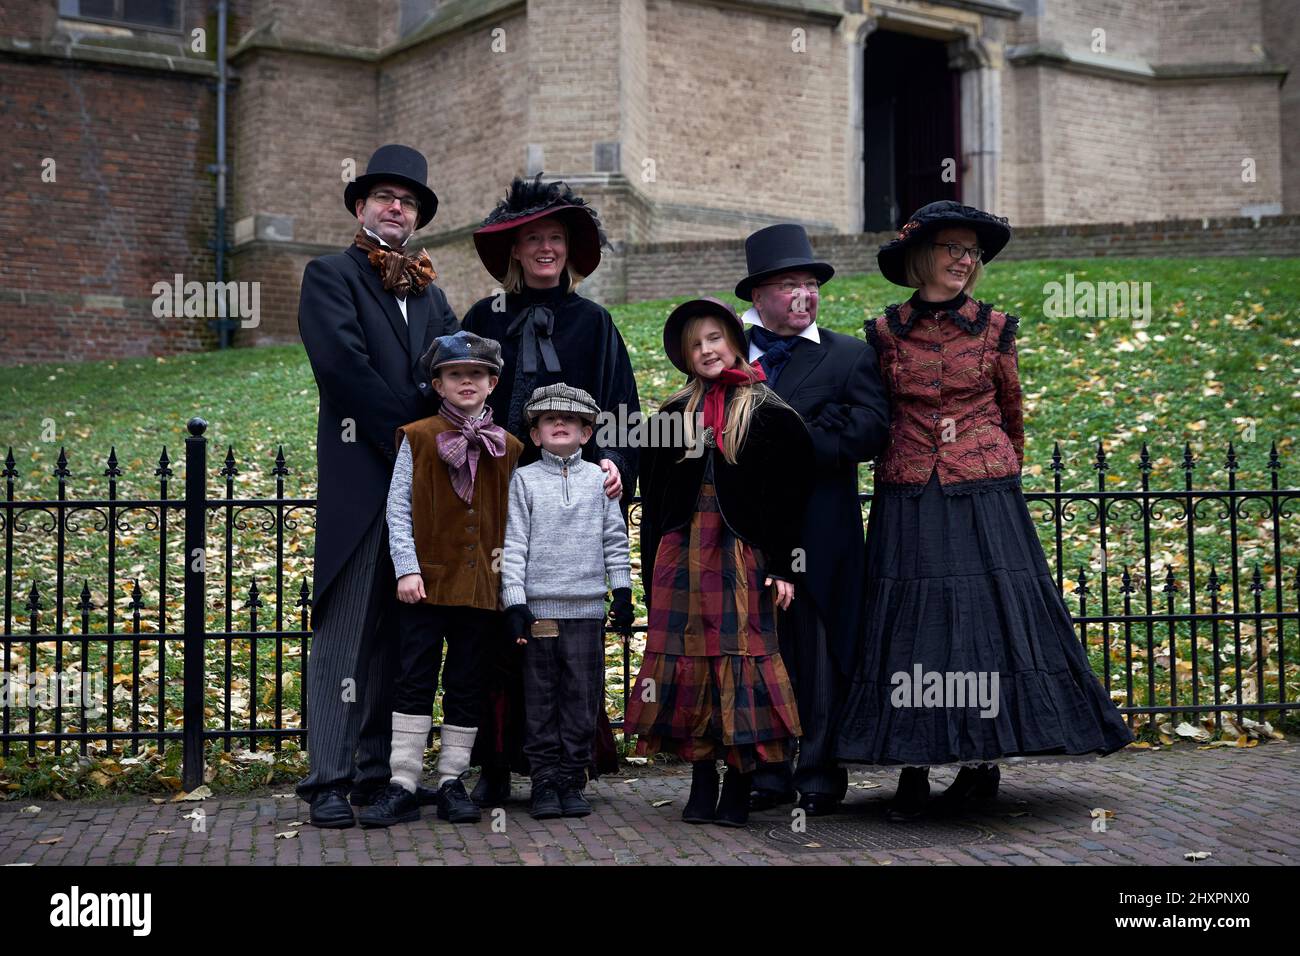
(540, 242)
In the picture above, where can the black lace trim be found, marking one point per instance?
(872, 333)
(896, 324)
(1008, 337)
(978, 324)
(901, 327)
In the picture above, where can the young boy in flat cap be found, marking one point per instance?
(565, 540)
(446, 521)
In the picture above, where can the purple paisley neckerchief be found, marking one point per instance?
(460, 447)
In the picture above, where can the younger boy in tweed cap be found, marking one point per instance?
(565, 541)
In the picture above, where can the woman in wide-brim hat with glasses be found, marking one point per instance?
(958, 593)
(539, 243)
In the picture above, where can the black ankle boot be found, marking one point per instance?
(545, 803)
(962, 787)
(493, 787)
(972, 784)
(702, 804)
(733, 805)
(911, 796)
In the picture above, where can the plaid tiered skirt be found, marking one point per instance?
(712, 683)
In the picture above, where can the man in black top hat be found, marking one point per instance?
(833, 382)
(366, 316)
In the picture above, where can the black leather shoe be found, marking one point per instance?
(394, 804)
(425, 796)
(455, 805)
(492, 789)
(573, 803)
(911, 797)
(330, 809)
(546, 803)
(733, 804)
(364, 797)
(816, 804)
(702, 804)
(762, 799)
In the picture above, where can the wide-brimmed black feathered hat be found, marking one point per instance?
(396, 164)
(991, 231)
(527, 201)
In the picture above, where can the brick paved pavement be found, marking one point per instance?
(1240, 805)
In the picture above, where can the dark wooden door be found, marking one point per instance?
(911, 124)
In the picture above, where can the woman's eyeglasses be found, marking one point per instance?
(956, 250)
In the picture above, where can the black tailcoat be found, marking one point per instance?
(840, 370)
(365, 359)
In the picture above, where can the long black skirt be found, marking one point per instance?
(969, 653)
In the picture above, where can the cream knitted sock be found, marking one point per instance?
(406, 762)
(457, 742)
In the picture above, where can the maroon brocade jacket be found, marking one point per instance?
(954, 392)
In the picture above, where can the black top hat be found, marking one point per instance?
(688, 310)
(776, 249)
(991, 231)
(399, 164)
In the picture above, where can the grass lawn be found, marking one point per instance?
(1217, 362)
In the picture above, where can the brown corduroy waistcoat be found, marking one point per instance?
(458, 544)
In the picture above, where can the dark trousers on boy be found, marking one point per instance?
(424, 630)
(466, 632)
(564, 679)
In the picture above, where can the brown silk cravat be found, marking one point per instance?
(399, 273)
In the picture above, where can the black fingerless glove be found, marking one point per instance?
(620, 609)
(519, 621)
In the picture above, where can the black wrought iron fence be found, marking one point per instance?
(1184, 600)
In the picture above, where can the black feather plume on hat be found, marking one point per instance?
(526, 197)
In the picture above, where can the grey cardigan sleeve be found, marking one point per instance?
(401, 533)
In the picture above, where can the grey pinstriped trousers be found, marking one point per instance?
(349, 730)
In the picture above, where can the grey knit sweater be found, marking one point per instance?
(564, 539)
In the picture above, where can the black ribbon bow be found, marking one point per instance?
(535, 324)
